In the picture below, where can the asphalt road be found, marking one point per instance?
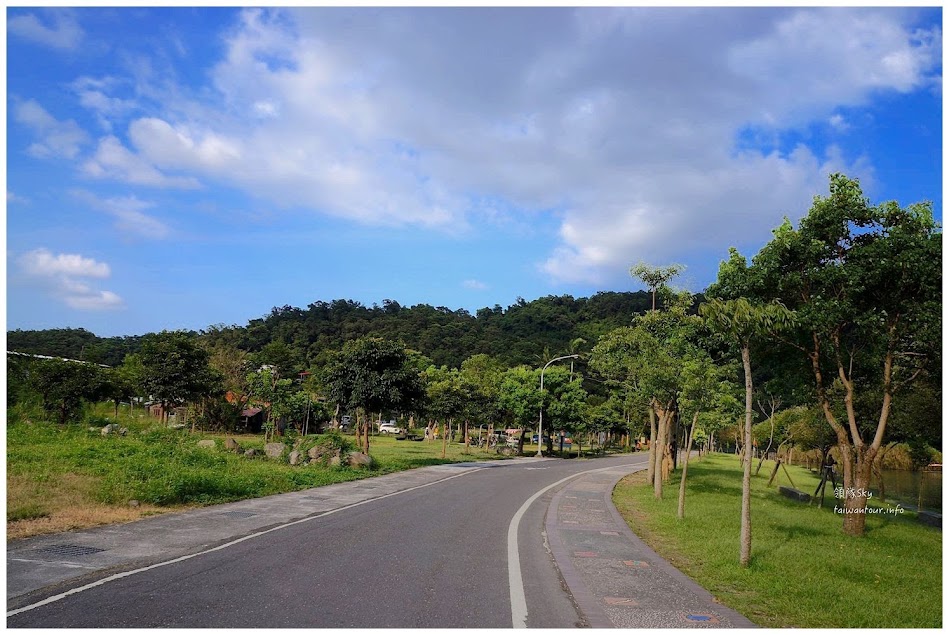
(430, 557)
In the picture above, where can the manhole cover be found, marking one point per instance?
(238, 514)
(70, 550)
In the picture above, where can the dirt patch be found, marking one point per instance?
(62, 502)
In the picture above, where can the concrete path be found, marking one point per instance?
(615, 578)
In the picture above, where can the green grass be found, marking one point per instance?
(804, 571)
(165, 468)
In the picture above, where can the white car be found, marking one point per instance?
(389, 427)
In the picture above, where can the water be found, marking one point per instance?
(904, 486)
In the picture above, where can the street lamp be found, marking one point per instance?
(540, 427)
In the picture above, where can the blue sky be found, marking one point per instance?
(180, 167)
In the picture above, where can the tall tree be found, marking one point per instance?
(375, 375)
(175, 368)
(739, 321)
(704, 383)
(655, 278)
(865, 282)
(65, 385)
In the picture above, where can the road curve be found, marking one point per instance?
(432, 555)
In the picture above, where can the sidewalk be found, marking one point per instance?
(616, 579)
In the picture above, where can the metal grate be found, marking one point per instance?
(238, 514)
(70, 550)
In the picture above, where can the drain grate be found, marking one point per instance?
(70, 550)
(238, 514)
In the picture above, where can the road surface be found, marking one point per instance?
(441, 555)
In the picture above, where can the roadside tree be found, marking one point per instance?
(374, 375)
(865, 283)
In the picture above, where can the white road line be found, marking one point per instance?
(515, 581)
(125, 574)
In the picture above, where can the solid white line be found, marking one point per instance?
(515, 581)
(125, 574)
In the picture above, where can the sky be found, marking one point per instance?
(184, 167)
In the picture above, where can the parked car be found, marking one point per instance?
(389, 427)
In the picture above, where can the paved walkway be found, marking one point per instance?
(615, 578)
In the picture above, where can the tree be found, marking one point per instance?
(739, 321)
(865, 283)
(374, 375)
(65, 385)
(481, 378)
(120, 384)
(175, 368)
(565, 401)
(655, 278)
(520, 396)
(704, 383)
(648, 357)
(445, 397)
(273, 393)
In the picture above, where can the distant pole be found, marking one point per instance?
(540, 427)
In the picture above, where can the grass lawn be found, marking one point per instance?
(70, 477)
(804, 571)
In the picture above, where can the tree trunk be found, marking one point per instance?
(445, 440)
(685, 467)
(745, 556)
(661, 436)
(467, 440)
(651, 469)
(357, 428)
(855, 517)
(767, 449)
(366, 429)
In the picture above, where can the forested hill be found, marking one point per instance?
(521, 334)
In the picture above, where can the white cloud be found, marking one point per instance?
(63, 276)
(93, 95)
(55, 138)
(129, 212)
(623, 121)
(64, 32)
(112, 160)
(94, 301)
(42, 262)
(16, 198)
(475, 285)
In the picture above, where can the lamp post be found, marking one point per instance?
(540, 427)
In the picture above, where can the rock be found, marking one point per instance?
(134, 503)
(335, 460)
(295, 457)
(231, 445)
(358, 459)
(109, 429)
(252, 452)
(275, 450)
(207, 443)
(123, 431)
(316, 452)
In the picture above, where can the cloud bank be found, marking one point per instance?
(625, 124)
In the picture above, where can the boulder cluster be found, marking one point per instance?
(315, 455)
